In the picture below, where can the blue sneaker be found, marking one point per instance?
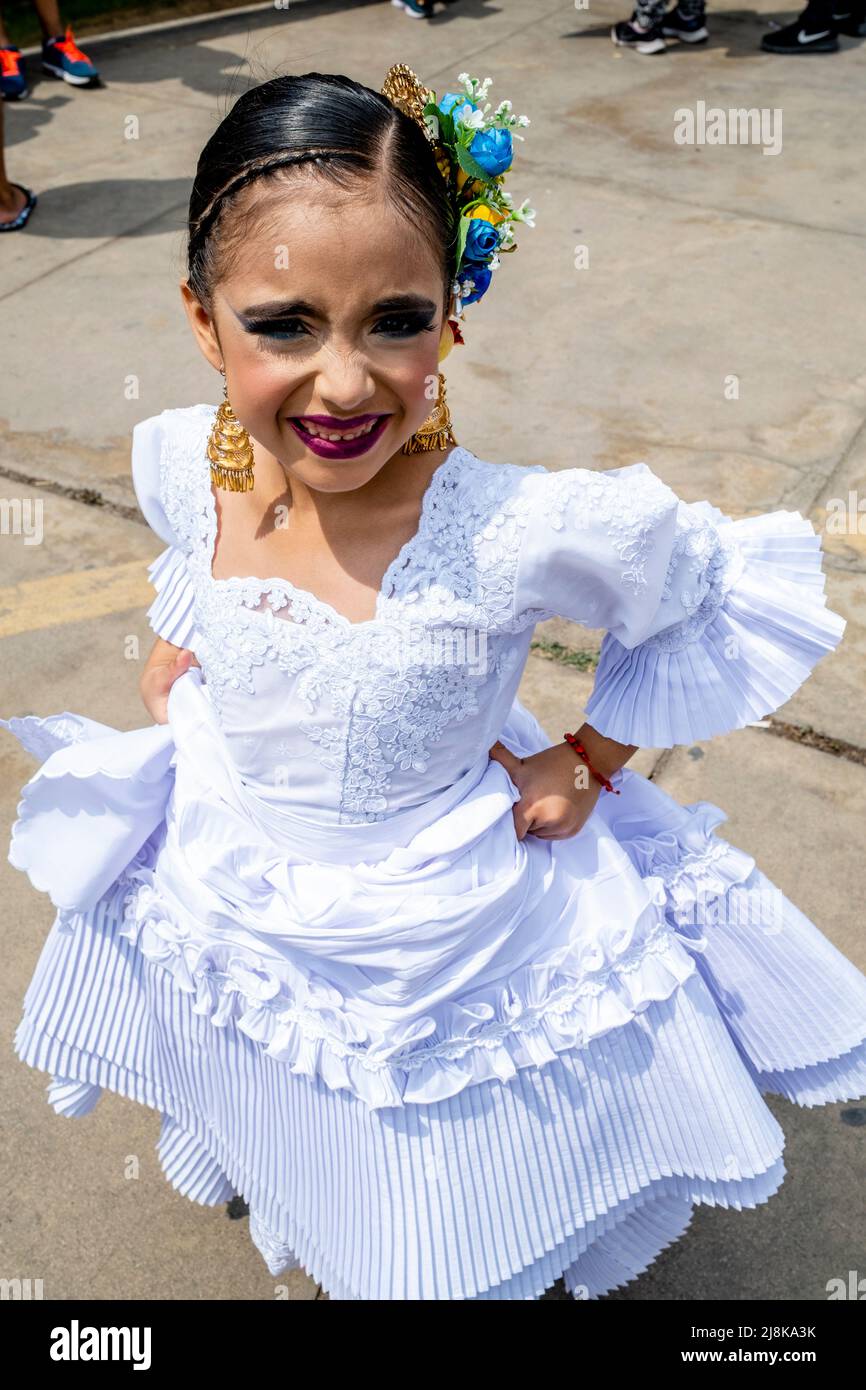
(63, 58)
(13, 83)
(416, 9)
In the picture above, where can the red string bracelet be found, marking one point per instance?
(579, 749)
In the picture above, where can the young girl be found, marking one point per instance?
(457, 1010)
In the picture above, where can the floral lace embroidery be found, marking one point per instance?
(581, 497)
(455, 575)
(714, 565)
(464, 569)
(43, 737)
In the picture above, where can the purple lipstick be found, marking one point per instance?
(371, 428)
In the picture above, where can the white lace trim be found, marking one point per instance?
(588, 987)
(307, 1027)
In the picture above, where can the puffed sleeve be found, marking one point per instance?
(171, 613)
(709, 623)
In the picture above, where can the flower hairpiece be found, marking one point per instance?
(474, 150)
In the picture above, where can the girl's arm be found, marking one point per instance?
(162, 668)
(556, 799)
(606, 755)
(709, 623)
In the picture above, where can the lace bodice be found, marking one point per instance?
(354, 721)
(357, 718)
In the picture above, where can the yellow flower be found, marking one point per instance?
(485, 213)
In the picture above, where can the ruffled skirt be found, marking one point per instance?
(559, 1116)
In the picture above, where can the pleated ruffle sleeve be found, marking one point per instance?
(171, 613)
(710, 623)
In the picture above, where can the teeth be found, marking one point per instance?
(333, 435)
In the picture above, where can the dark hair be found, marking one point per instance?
(331, 124)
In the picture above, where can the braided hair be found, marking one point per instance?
(327, 122)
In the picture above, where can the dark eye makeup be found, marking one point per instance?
(412, 323)
(390, 326)
(400, 316)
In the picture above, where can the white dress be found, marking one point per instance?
(439, 1062)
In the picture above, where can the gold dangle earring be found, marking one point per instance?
(436, 431)
(230, 449)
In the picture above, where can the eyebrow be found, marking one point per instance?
(287, 308)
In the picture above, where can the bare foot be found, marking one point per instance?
(12, 201)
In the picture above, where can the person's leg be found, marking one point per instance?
(648, 13)
(12, 199)
(48, 14)
(687, 22)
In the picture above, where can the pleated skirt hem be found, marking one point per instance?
(585, 1168)
(600, 1255)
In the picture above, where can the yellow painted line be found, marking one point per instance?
(74, 597)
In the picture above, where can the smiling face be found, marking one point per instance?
(327, 320)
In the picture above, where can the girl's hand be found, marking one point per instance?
(164, 665)
(550, 804)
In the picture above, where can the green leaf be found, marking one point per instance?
(462, 234)
(467, 162)
(446, 123)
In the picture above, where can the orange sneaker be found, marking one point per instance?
(13, 83)
(63, 58)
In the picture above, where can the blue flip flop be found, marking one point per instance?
(25, 212)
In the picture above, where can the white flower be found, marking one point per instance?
(432, 124)
(473, 120)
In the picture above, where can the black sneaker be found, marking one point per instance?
(686, 28)
(641, 40)
(850, 19)
(812, 32)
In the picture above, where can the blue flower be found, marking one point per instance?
(482, 239)
(493, 150)
(482, 276)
